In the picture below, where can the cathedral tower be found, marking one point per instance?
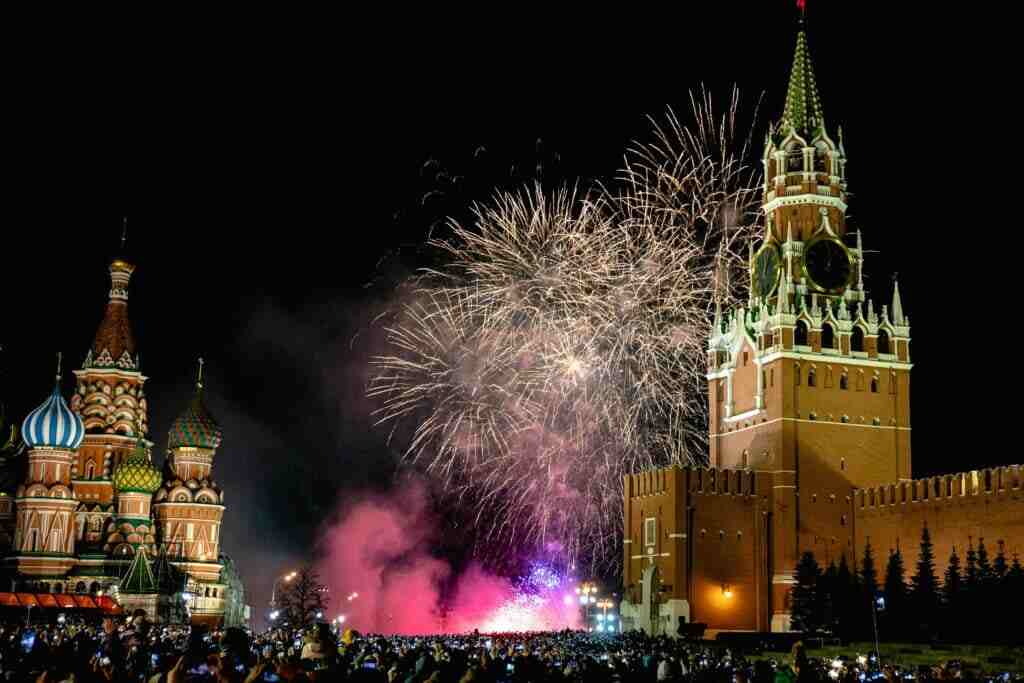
(135, 480)
(110, 400)
(44, 536)
(809, 382)
(190, 505)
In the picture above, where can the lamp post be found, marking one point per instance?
(273, 593)
(877, 603)
(587, 592)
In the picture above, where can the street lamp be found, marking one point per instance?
(273, 593)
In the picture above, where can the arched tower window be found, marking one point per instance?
(800, 336)
(874, 384)
(745, 461)
(828, 337)
(857, 339)
(794, 159)
(844, 381)
(94, 587)
(821, 158)
(812, 378)
(80, 587)
(883, 342)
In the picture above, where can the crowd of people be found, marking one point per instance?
(134, 649)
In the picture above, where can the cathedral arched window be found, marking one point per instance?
(58, 588)
(857, 339)
(745, 461)
(874, 384)
(800, 335)
(80, 587)
(844, 381)
(94, 588)
(90, 468)
(883, 342)
(812, 378)
(828, 337)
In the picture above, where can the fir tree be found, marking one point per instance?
(804, 608)
(867, 594)
(952, 597)
(984, 566)
(971, 570)
(845, 589)
(999, 566)
(924, 591)
(1015, 575)
(1014, 589)
(868, 573)
(895, 596)
(827, 597)
(952, 581)
(970, 595)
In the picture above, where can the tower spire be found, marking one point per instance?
(860, 262)
(803, 112)
(124, 232)
(897, 303)
(60, 358)
(199, 376)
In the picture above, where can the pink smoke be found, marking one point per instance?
(380, 550)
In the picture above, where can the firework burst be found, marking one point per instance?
(562, 345)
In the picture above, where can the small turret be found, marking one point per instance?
(897, 305)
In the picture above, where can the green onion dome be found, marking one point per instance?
(137, 474)
(195, 427)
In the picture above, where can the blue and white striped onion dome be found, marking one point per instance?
(53, 425)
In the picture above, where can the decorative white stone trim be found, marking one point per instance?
(803, 421)
(834, 202)
(743, 416)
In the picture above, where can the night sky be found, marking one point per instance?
(278, 181)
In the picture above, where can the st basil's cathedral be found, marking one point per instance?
(93, 520)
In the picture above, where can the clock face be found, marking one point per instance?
(765, 271)
(827, 264)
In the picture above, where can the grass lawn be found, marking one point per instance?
(977, 657)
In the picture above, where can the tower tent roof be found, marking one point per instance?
(803, 112)
(139, 578)
(114, 344)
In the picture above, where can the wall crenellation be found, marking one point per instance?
(944, 486)
(698, 480)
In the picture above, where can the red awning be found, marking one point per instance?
(27, 599)
(85, 601)
(46, 600)
(66, 601)
(9, 600)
